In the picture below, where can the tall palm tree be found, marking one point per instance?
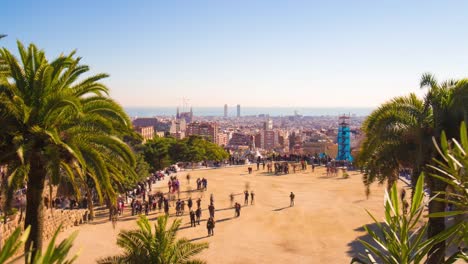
(58, 124)
(448, 101)
(399, 134)
(160, 247)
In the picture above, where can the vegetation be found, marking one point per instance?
(58, 125)
(400, 238)
(399, 135)
(53, 254)
(162, 152)
(160, 247)
(451, 169)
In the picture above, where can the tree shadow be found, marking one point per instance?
(356, 248)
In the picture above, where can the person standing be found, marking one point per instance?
(190, 203)
(182, 207)
(192, 218)
(198, 215)
(188, 178)
(252, 197)
(166, 206)
(199, 202)
(211, 209)
(238, 209)
(246, 197)
(292, 196)
(210, 225)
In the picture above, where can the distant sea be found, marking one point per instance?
(248, 111)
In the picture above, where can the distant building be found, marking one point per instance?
(268, 125)
(225, 110)
(312, 148)
(159, 134)
(222, 139)
(178, 128)
(238, 110)
(146, 132)
(187, 116)
(145, 121)
(209, 131)
(240, 139)
(157, 124)
(269, 140)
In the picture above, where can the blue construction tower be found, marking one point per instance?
(343, 140)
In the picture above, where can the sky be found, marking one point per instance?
(250, 52)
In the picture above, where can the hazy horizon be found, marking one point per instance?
(249, 111)
(256, 53)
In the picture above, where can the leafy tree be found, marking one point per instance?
(157, 152)
(56, 125)
(158, 246)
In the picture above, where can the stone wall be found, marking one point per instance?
(52, 219)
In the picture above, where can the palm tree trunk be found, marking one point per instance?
(89, 197)
(436, 225)
(50, 197)
(34, 205)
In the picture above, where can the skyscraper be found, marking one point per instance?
(225, 110)
(238, 110)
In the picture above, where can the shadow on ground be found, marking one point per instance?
(280, 209)
(356, 248)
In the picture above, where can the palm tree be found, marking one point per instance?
(448, 112)
(160, 247)
(397, 135)
(57, 125)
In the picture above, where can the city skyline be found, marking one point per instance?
(262, 53)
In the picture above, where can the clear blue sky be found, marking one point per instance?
(252, 52)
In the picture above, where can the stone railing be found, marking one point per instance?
(52, 220)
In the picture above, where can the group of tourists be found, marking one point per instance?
(202, 184)
(246, 197)
(173, 184)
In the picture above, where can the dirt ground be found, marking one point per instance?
(322, 227)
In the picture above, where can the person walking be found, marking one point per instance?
(192, 218)
(199, 202)
(231, 198)
(252, 197)
(210, 225)
(246, 197)
(291, 196)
